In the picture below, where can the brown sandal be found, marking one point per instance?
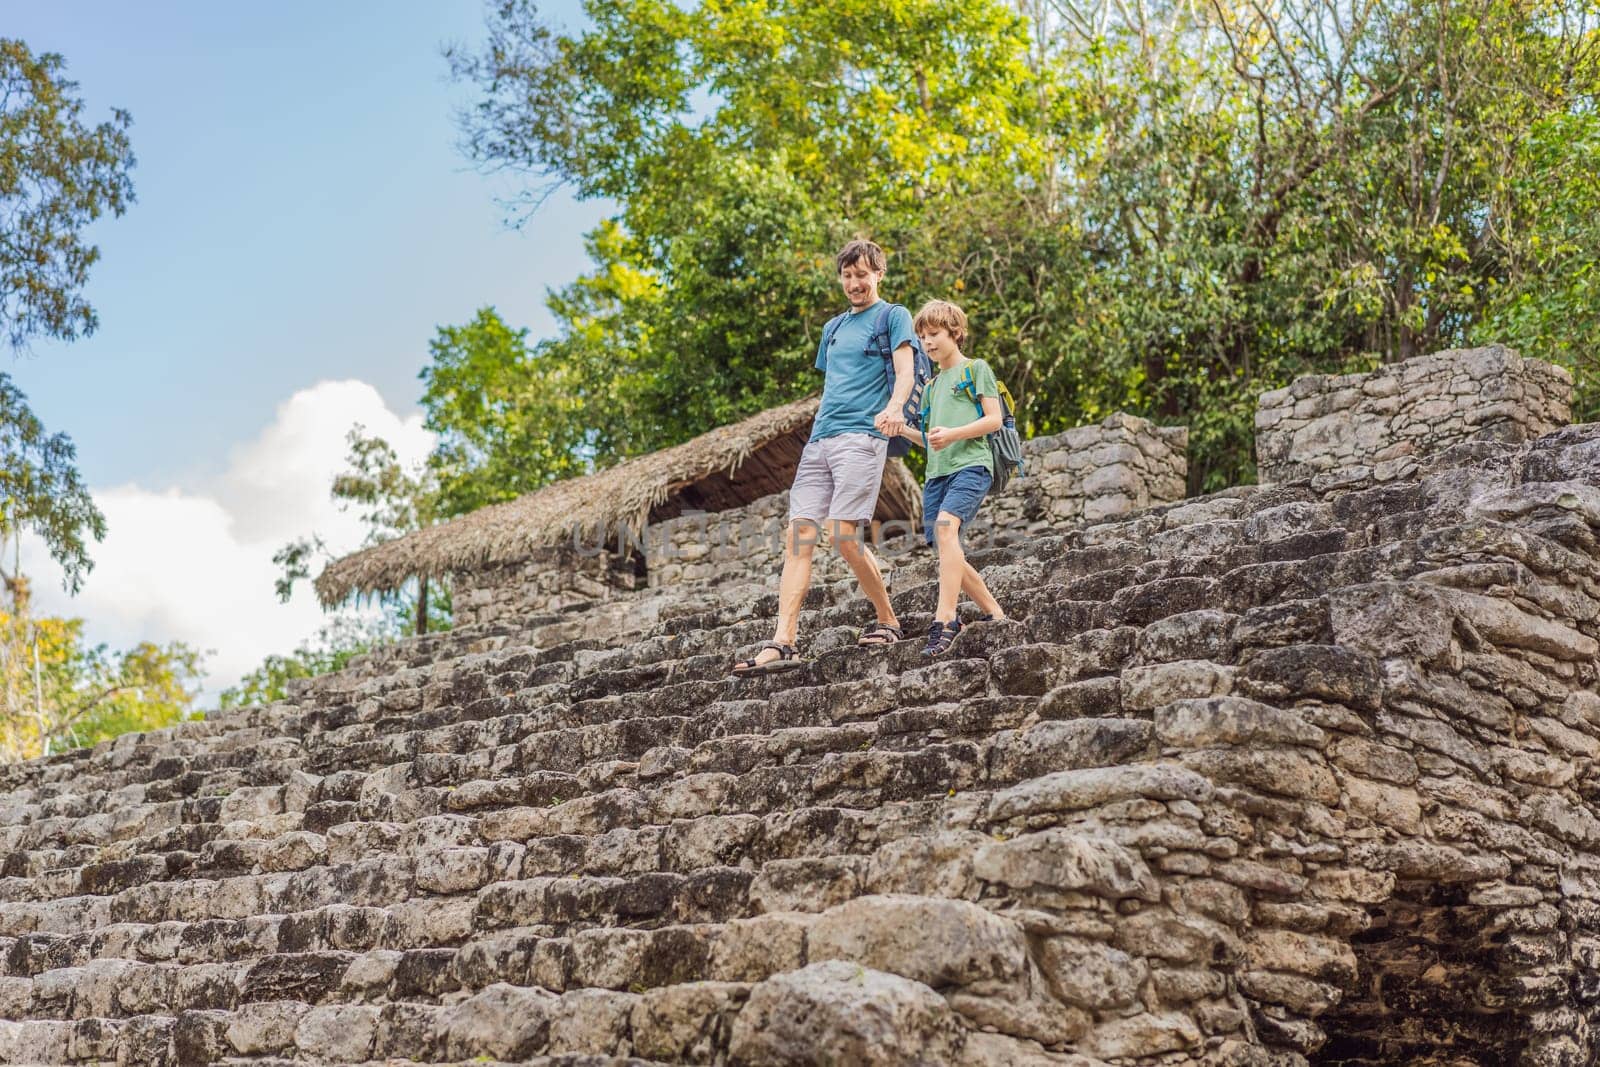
(788, 656)
(879, 634)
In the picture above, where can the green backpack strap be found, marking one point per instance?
(971, 386)
(1002, 394)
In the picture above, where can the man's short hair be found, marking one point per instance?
(942, 315)
(859, 250)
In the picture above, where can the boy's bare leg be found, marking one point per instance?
(953, 565)
(865, 567)
(799, 542)
(972, 585)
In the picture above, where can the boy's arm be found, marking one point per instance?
(992, 419)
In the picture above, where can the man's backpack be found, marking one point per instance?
(1005, 444)
(921, 367)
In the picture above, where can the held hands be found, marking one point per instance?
(890, 422)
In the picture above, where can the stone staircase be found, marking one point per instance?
(1276, 776)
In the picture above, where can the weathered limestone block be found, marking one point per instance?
(686, 1023)
(938, 865)
(1144, 1035)
(1384, 421)
(1079, 789)
(811, 884)
(935, 942)
(837, 1012)
(753, 949)
(1159, 934)
(591, 1022)
(1060, 860)
(1231, 720)
(1048, 746)
(503, 1022)
(1092, 975)
(337, 1032)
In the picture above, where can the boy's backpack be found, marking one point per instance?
(921, 367)
(1005, 444)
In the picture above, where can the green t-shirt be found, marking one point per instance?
(951, 406)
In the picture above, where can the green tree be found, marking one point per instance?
(504, 415)
(743, 140)
(396, 500)
(58, 692)
(42, 492)
(57, 175)
(1546, 302)
(1164, 208)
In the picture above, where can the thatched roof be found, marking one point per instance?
(726, 468)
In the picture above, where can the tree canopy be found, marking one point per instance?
(397, 500)
(58, 692)
(42, 492)
(1164, 209)
(57, 175)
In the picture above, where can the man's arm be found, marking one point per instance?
(891, 421)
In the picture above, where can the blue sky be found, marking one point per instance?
(302, 212)
(304, 221)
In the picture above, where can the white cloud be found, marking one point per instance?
(194, 563)
(276, 487)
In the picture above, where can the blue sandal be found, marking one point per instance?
(941, 635)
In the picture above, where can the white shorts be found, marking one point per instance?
(839, 478)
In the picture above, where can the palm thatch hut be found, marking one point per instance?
(723, 471)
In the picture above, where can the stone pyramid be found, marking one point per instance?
(1296, 773)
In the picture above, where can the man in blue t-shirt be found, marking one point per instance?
(842, 465)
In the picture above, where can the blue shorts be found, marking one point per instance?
(959, 492)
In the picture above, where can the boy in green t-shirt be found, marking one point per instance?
(960, 468)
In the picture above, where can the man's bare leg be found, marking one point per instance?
(864, 565)
(799, 542)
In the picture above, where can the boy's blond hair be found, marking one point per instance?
(942, 315)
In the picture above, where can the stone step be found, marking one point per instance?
(479, 877)
(1283, 520)
(501, 1025)
(377, 744)
(826, 762)
(1025, 667)
(1125, 603)
(1141, 600)
(837, 595)
(667, 970)
(820, 693)
(507, 1024)
(686, 846)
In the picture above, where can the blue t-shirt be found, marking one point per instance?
(855, 384)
